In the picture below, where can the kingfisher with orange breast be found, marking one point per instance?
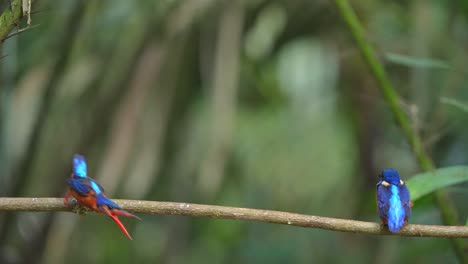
(393, 200)
(90, 194)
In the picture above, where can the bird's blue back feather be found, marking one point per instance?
(396, 213)
(98, 189)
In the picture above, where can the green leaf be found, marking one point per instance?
(425, 183)
(457, 104)
(416, 62)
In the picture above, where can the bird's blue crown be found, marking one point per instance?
(79, 166)
(391, 176)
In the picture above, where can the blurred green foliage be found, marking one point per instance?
(425, 183)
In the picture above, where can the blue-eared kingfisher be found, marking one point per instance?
(393, 200)
(90, 194)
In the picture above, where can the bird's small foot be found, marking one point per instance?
(77, 208)
(69, 201)
(81, 210)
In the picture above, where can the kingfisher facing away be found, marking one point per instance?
(393, 200)
(90, 194)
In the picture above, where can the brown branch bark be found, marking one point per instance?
(236, 213)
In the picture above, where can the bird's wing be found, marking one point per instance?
(102, 200)
(80, 185)
(383, 197)
(405, 200)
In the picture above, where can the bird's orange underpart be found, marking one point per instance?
(88, 201)
(66, 198)
(384, 221)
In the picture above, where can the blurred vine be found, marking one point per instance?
(447, 209)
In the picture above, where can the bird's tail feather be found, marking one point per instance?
(114, 217)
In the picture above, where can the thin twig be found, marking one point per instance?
(235, 213)
(19, 31)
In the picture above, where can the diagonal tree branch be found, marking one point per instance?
(236, 213)
(19, 31)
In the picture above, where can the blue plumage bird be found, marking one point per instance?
(90, 194)
(393, 200)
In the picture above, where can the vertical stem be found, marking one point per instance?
(446, 207)
(224, 93)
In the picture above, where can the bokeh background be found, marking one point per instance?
(260, 103)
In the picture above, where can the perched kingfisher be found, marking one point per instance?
(393, 200)
(90, 194)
